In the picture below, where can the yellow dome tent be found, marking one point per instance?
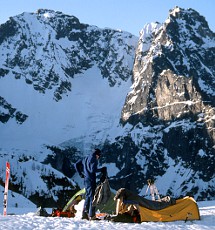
(184, 209)
(167, 209)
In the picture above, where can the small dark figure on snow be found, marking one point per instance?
(87, 169)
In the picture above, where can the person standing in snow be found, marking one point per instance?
(87, 169)
(153, 189)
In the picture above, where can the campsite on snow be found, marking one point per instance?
(137, 113)
(25, 218)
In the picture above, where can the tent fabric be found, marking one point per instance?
(184, 209)
(103, 200)
(78, 196)
(130, 197)
(128, 202)
(102, 193)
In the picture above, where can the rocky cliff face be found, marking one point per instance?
(73, 79)
(173, 89)
(176, 67)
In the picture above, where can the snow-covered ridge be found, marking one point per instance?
(146, 35)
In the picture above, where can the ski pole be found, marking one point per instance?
(6, 188)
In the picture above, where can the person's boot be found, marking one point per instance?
(93, 218)
(84, 216)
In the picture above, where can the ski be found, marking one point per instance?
(6, 188)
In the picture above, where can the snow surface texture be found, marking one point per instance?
(25, 219)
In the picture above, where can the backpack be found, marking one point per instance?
(102, 193)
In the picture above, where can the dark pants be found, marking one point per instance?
(90, 188)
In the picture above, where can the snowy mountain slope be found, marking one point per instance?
(50, 48)
(47, 65)
(68, 81)
(67, 87)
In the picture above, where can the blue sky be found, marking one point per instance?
(128, 15)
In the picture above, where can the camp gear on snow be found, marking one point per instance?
(127, 217)
(133, 208)
(103, 199)
(74, 200)
(164, 210)
(58, 212)
(102, 196)
(107, 208)
(130, 197)
(102, 193)
(55, 212)
(184, 209)
(41, 212)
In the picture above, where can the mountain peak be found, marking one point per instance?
(46, 13)
(184, 44)
(188, 19)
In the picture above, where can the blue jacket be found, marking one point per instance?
(88, 167)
